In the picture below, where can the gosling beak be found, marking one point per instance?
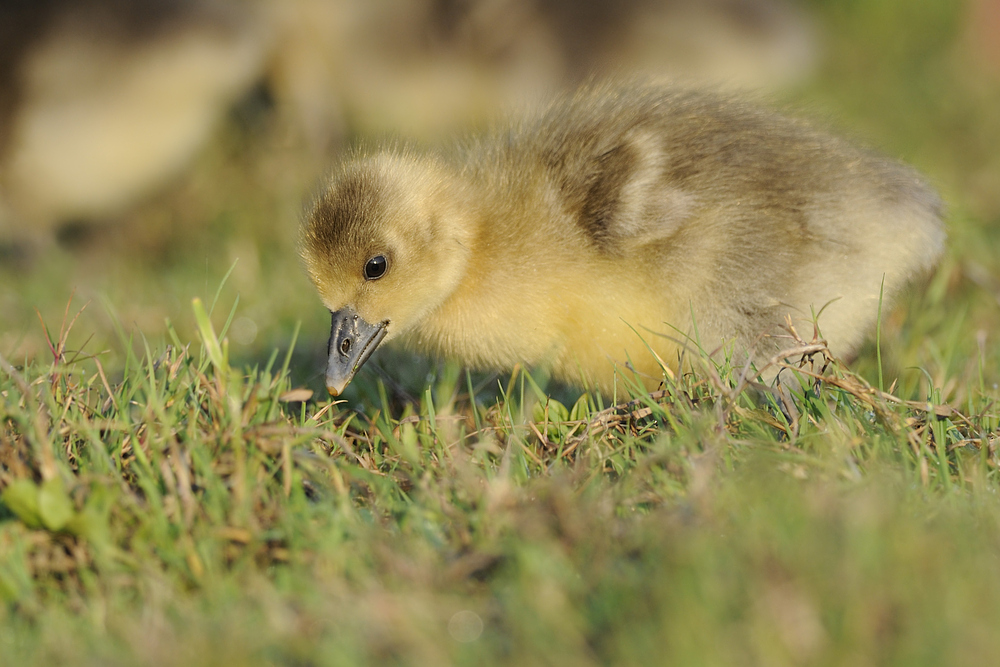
(352, 341)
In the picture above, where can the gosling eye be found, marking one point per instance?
(376, 267)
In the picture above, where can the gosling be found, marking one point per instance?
(612, 232)
(102, 101)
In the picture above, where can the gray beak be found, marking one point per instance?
(352, 341)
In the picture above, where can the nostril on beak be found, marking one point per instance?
(345, 346)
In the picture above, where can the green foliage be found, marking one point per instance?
(37, 506)
(699, 523)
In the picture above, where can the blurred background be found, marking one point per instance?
(150, 147)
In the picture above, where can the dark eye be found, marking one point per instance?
(376, 267)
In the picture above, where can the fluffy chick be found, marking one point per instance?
(619, 226)
(101, 101)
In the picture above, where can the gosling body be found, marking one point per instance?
(618, 228)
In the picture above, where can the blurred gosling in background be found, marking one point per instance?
(102, 102)
(419, 67)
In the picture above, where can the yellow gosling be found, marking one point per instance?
(616, 227)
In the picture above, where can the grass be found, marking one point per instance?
(173, 492)
(190, 513)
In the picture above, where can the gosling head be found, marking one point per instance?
(385, 244)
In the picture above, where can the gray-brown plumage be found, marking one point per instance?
(617, 227)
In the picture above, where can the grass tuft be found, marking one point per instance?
(190, 499)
